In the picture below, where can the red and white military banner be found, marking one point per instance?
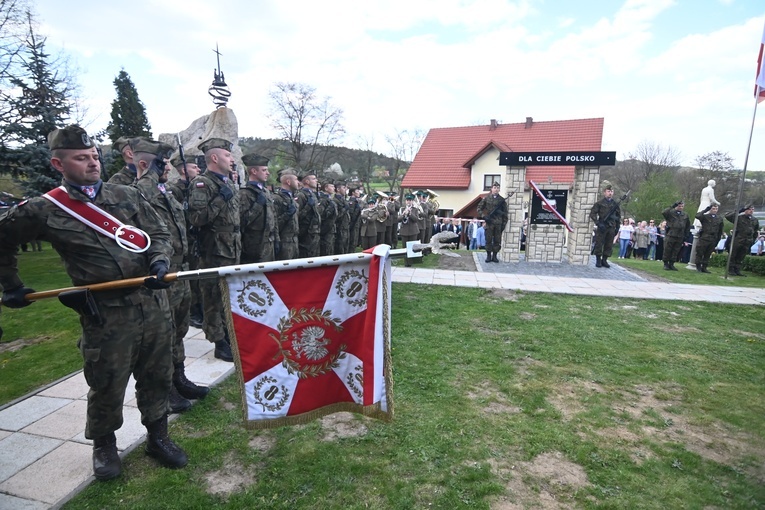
(549, 206)
(759, 86)
(313, 340)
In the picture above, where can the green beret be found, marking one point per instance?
(250, 160)
(151, 147)
(215, 143)
(70, 137)
(409, 196)
(121, 143)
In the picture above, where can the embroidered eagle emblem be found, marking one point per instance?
(311, 343)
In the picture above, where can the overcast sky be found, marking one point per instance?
(674, 72)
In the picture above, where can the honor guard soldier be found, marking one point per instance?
(309, 218)
(711, 232)
(343, 219)
(678, 227)
(493, 210)
(214, 210)
(607, 216)
(260, 235)
(152, 171)
(286, 210)
(747, 229)
(181, 189)
(355, 206)
(127, 174)
(328, 212)
(125, 332)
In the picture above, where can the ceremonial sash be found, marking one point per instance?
(550, 207)
(126, 236)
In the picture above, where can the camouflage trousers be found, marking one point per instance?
(180, 305)
(603, 245)
(308, 246)
(327, 244)
(493, 237)
(263, 253)
(738, 253)
(704, 249)
(341, 242)
(133, 339)
(672, 247)
(288, 249)
(212, 300)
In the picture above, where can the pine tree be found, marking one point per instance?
(43, 102)
(128, 116)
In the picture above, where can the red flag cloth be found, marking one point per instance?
(550, 207)
(759, 87)
(313, 341)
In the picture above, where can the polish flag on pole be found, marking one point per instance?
(313, 340)
(759, 88)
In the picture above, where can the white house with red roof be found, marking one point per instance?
(460, 163)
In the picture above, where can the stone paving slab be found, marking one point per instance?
(8, 502)
(64, 423)
(28, 411)
(20, 450)
(73, 387)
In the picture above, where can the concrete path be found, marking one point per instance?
(45, 459)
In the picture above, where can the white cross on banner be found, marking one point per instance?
(313, 341)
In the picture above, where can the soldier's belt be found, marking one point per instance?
(231, 228)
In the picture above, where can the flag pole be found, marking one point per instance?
(216, 272)
(741, 183)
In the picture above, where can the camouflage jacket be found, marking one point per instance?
(257, 217)
(171, 212)
(216, 218)
(602, 208)
(678, 224)
(125, 176)
(746, 228)
(328, 212)
(286, 210)
(711, 226)
(89, 257)
(309, 219)
(343, 219)
(493, 209)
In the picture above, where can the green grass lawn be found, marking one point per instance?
(502, 400)
(683, 275)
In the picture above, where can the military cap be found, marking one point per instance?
(371, 200)
(421, 193)
(252, 159)
(177, 161)
(608, 187)
(306, 173)
(215, 143)
(70, 137)
(409, 196)
(287, 171)
(495, 183)
(340, 183)
(151, 147)
(121, 143)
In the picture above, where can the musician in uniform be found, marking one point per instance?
(410, 216)
(607, 216)
(711, 232)
(425, 224)
(372, 219)
(214, 210)
(125, 332)
(309, 218)
(286, 211)
(493, 209)
(260, 234)
(152, 172)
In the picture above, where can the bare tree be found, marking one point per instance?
(309, 124)
(653, 157)
(404, 145)
(716, 161)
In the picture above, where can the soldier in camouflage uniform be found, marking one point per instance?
(493, 209)
(309, 218)
(260, 234)
(328, 213)
(127, 174)
(152, 173)
(607, 216)
(746, 233)
(125, 332)
(214, 210)
(286, 211)
(678, 227)
(711, 232)
(354, 210)
(343, 220)
(181, 189)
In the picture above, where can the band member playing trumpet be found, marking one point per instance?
(410, 216)
(372, 219)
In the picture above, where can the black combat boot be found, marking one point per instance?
(605, 264)
(162, 448)
(489, 257)
(672, 267)
(704, 269)
(186, 388)
(494, 257)
(698, 268)
(106, 460)
(223, 351)
(196, 316)
(666, 266)
(176, 403)
(598, 261)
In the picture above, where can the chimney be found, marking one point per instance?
(529, 122)
(493, 125)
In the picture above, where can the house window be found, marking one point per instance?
(488, 180)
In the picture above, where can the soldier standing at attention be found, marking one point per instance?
(678, 227)
(260, 235)
(493, 209)
(711, 232)
(343, 220)
(309, 219)
(214, 210)
(127, 174)
(328, 212)
(286, 210)
(152, 173)
(607, 216)
(745, 236)
(125, 332)
(355, 206)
